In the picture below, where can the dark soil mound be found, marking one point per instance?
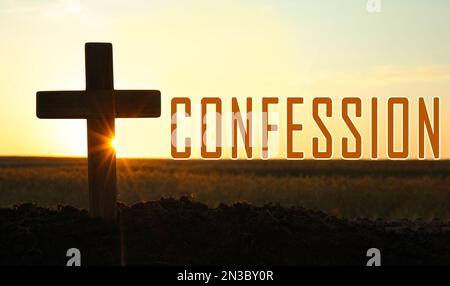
(182, 232)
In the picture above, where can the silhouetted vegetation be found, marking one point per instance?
(349, 189)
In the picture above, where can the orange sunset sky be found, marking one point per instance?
(199, 48)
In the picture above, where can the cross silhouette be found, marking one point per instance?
(100, 104)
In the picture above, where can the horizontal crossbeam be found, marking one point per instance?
(81, 104)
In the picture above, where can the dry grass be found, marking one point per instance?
(389, 190)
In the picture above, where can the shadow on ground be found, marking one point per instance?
(181, 232)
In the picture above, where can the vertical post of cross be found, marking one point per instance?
(101, 129)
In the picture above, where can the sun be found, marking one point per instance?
(114, 144)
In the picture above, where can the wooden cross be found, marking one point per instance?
(100, 104)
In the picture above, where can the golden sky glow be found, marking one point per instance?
(195, 48)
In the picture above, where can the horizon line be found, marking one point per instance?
(222, 159)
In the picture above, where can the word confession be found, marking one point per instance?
(399, 121)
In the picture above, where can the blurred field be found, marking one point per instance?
(349, 189)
